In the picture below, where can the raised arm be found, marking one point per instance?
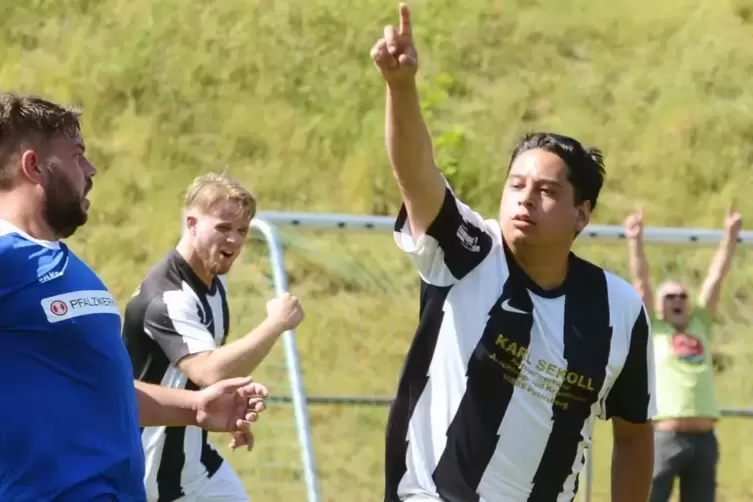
(712, 285)
(172, 320)
(408, 142)
(444, 238)
(639, 271)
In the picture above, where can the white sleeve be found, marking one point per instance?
(173, 320)
(455, 243)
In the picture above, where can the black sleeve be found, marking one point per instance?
(455, 243)
(632, 398)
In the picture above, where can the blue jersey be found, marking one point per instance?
(68, 417)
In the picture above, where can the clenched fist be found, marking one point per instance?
(285, 311)
(733, 222)
(634, 226)
(395, 55)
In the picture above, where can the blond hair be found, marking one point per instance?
(209, 189)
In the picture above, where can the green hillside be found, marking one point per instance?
(284, 96)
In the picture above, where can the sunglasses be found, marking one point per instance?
(676, 296)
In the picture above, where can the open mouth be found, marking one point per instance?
(677, 310)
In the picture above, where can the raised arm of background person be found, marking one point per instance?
(639, 271)
(720, 265)
(173, 322)
(227, 406)
(408, 142)
(631, 404)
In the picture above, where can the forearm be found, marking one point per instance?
(723, 257)
(409, 145)
(165, 406)
(410, 152)
(720, 265)
(242, 356)
(632, 468)
(639, 270)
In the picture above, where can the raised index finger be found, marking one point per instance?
(405, 27)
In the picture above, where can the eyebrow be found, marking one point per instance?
(546, 181)
(80, 144)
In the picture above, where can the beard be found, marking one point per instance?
(62, 206)
(214, 265)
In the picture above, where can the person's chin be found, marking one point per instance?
(517, 233)
(222, 268)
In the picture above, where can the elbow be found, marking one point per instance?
(205, 380)
(202, 378)
(210, 375)
(205, 368)
(634, 438)
(201, 369)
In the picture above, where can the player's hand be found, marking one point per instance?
(285, 311)
(242, 438)
(395, 55)
(230, 405)
(634, 226)
(733, 222)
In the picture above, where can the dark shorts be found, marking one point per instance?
(690, 456)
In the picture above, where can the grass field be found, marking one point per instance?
(284, 96)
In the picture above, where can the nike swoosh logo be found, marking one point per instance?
(506, 306)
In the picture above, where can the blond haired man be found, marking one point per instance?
(175, 330)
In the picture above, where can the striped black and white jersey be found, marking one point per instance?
(503, 381)
(174, 314)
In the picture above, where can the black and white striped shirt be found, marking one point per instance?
(174, 314)
(503, 382)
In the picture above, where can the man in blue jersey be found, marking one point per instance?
(69, 411)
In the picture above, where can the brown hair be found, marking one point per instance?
(211, 188)
(29, 120)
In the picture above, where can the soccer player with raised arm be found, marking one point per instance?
(175, 330)
(521, 344)
(69, 410)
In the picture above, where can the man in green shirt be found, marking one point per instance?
(685, 443)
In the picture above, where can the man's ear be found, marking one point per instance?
(30, 167)
(191, 221)
(582, 216)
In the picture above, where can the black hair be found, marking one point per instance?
(585, 165)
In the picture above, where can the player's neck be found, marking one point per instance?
(16, 209)
(545, 267)
(188, 252)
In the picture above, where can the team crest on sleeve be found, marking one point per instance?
(468, 241)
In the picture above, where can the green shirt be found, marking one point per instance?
(684, 370)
